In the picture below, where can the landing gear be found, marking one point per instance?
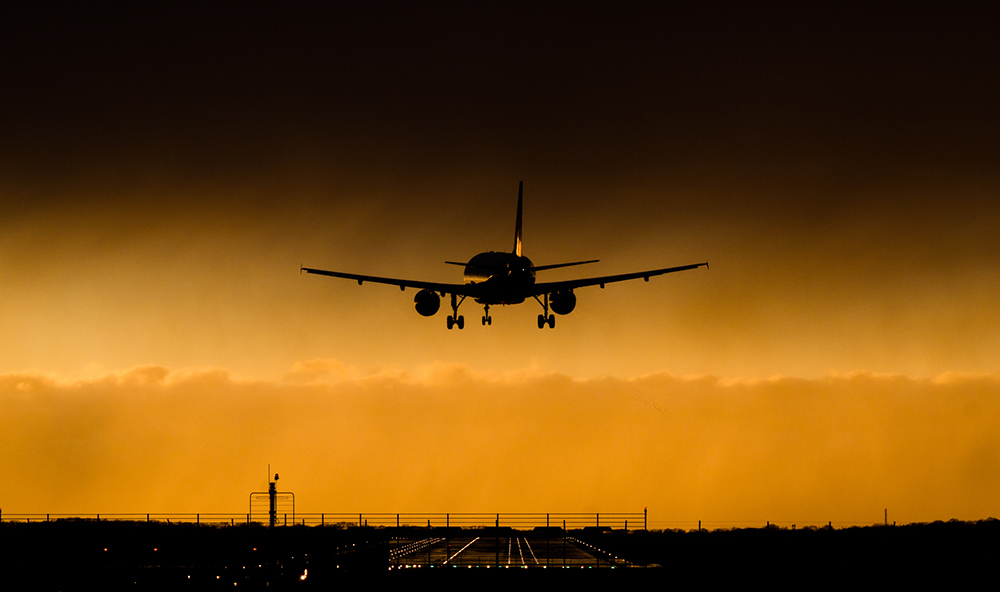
(546, 318)
(454, 318)
(487, 319)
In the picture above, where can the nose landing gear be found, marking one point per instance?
(487, 319)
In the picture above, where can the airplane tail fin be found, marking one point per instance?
(517, 229)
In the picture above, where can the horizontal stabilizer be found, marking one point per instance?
(555, 265)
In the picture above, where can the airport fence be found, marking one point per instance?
(515, 520)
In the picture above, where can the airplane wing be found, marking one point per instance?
(459, 289)
(550, 287)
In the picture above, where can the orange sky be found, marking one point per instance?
(445, 438)
(164, 176)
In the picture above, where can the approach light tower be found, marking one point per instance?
(275, 500)
(272, 495)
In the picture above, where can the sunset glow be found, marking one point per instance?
(165, 176)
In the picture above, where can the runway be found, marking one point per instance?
(506, 552)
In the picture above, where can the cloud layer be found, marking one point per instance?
(448, 438)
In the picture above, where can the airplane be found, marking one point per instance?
(501, 278)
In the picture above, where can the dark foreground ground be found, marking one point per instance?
(73, 554)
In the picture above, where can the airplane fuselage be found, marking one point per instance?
(505, 276)
(499, 278)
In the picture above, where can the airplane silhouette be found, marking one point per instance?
(502, 278)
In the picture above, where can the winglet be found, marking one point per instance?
(517, 229)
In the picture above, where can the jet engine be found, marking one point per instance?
(427, 302)
(562, 302)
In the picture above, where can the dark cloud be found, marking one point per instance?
(228, 88)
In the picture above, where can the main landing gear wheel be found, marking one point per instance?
(546, 318)
(455, 318)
